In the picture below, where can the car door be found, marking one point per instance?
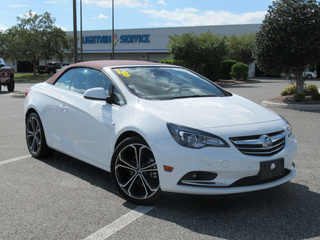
(54, 114)
(88, 123)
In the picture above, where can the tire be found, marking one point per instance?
(309, 77)
(134, 172)
(35, 138)
(11, 85)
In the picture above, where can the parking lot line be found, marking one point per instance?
(14, 159)
(120, 223)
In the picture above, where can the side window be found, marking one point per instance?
(79, 79)
(65, 80)
(97, 79)
(86, 78)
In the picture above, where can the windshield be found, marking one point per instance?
(163, 83)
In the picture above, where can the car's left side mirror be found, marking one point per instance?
(96, 94)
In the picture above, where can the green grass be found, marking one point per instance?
(29, 77)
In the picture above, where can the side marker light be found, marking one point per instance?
(167, 168)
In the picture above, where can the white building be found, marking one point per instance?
(148, 44)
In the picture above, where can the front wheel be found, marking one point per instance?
(35, 137)
(11, 86)
(134, 172)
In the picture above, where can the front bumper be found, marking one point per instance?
(235, 172)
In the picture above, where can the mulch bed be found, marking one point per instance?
(289, 100)
(228, 82)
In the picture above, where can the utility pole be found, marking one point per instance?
(81, 48)
(75, 37)
(112, 41)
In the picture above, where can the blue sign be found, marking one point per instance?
(137, 38)
(144, 38)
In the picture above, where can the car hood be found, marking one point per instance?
(209, 112)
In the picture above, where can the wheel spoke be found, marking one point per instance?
(34, 145)
(132, 162)
(136, 183)
(145, 181)
(130, 180)
(151, 167)
(30, 133)
(127, 167)
(33, 124)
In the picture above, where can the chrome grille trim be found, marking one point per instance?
(252, 145)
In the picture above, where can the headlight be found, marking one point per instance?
(288, 127)
(193, 138)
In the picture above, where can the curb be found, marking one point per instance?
(17, 94)
(301, 107)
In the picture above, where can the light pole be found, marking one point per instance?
(75, 40)
(81, 49)
(112, 40)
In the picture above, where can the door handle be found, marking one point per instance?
(63, 107)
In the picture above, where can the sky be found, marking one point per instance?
(133, 14)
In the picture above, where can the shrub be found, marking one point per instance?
(172, 62)
(298, 97)
(239, 71)
(315, 96)
(291, 90)
(226, 68)
(311, 89)
(284, 93)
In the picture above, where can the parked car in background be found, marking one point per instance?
(310, 75)
(159, 128)
(6, 76)
(307, 74)
(49, 68)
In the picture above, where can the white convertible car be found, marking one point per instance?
(159, 129)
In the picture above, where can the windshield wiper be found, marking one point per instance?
(192, 96)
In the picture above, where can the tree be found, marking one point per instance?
(35, 38)
(203, 53)
(289, 38)
(186, 47)
(241, 47)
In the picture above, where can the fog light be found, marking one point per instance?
(200, 175)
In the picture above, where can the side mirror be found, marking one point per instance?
(96, 94)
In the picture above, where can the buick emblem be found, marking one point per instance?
(266, 141)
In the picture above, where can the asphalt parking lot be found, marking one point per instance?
(62, 198)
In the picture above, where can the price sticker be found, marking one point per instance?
(123, 73)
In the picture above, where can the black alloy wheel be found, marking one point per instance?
(134, 172)
(35, 137)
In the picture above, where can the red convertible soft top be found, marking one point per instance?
(98, 65)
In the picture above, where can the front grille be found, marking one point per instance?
(257, 145)
(254, 180)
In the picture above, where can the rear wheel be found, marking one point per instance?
(134, 172)
(35, 137)
(309, 76)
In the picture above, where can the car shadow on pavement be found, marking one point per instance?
(95, 176)
(291, 211)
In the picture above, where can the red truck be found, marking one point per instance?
(6, 76)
